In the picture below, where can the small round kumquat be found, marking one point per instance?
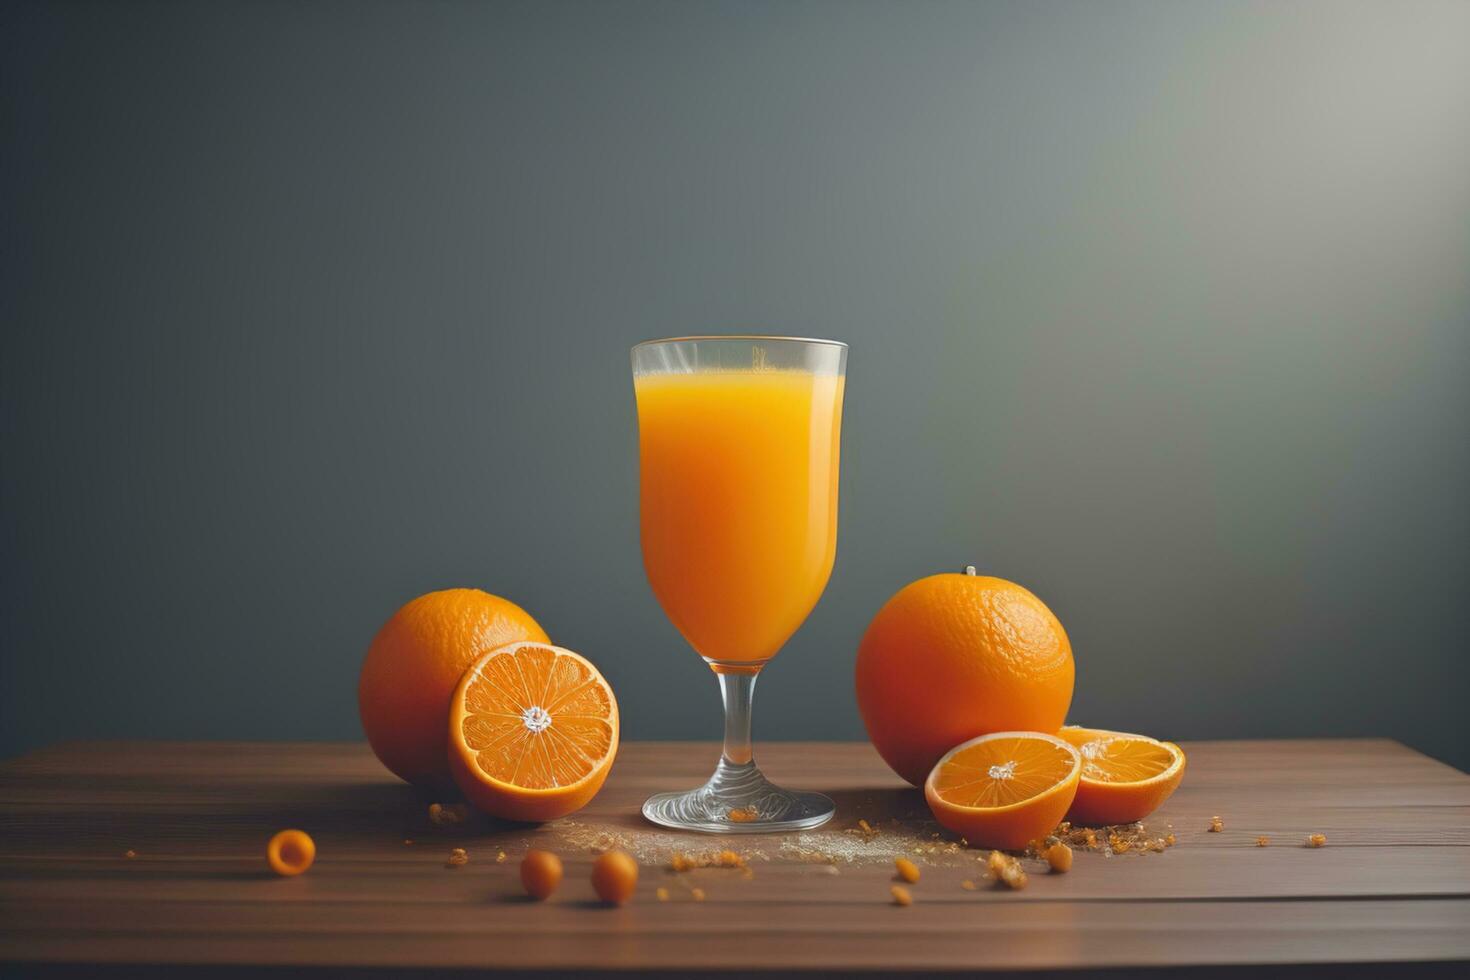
(290, 852)
(614, 876)
(540, 874)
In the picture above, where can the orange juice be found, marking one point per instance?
(739, 502)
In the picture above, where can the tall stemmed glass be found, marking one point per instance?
(738, 446)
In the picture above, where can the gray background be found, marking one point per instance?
(1162, 310)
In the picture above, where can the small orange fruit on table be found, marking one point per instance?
(413, 666)
(1124, 777)
(533, 730)
(540, 874)
(1006, 789)
(954, 656)
(290, 852)
(614, 877)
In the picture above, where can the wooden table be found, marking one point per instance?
(1392, 885)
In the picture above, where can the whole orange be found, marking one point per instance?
(413, 666)
(955, 656)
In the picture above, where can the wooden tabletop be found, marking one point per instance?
(1392, 884)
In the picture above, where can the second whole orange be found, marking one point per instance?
(413, 667)
(955, 656)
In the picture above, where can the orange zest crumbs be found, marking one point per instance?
(901, 895)
(130, 854)
(743, 815)
(1262, 841)
(457, 858)
(714, 859)
(444, 816)
(907, 870)
(1216, 825)
(661, 893)
(1059, 856)
(967, 885)
(697, 894)
(1317, 840)
(1005, 870)
(1128, 838)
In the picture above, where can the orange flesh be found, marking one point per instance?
(1001, 772)
(537, 719)
(1113, 759)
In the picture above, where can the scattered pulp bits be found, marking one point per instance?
(1059, 856)
(1317, 840)
(745, 814)
(1126, 838)
(1216, 825)
(967, 885)
(500, 857)
(1013, 876)
(1083, 837)
(1262, 841)
(901, 895)
(714, 859)
(907, 870)
(1006, 869)
(661, 893)
(697, 894)
(457, 858)
(445, 816)
(130, 854)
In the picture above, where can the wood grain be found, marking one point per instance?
(1393, 885)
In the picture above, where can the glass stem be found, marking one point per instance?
(737, 691)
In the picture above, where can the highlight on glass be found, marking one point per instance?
(739, 444)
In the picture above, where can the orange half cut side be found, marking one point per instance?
(1125, 777)
(533, 730)
(1006, 789)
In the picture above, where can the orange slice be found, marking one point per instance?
(1124, 777)
(533, 730)
(1004, 790)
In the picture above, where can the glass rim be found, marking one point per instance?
(741, 337)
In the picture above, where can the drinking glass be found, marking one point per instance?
(738, 454)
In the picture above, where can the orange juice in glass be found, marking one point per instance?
(739, 441)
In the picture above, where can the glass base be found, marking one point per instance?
(739, 800)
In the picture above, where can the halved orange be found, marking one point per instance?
(1005, 789)
(1124, 777)
(533, 730)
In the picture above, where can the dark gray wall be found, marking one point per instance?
(1160, 309)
